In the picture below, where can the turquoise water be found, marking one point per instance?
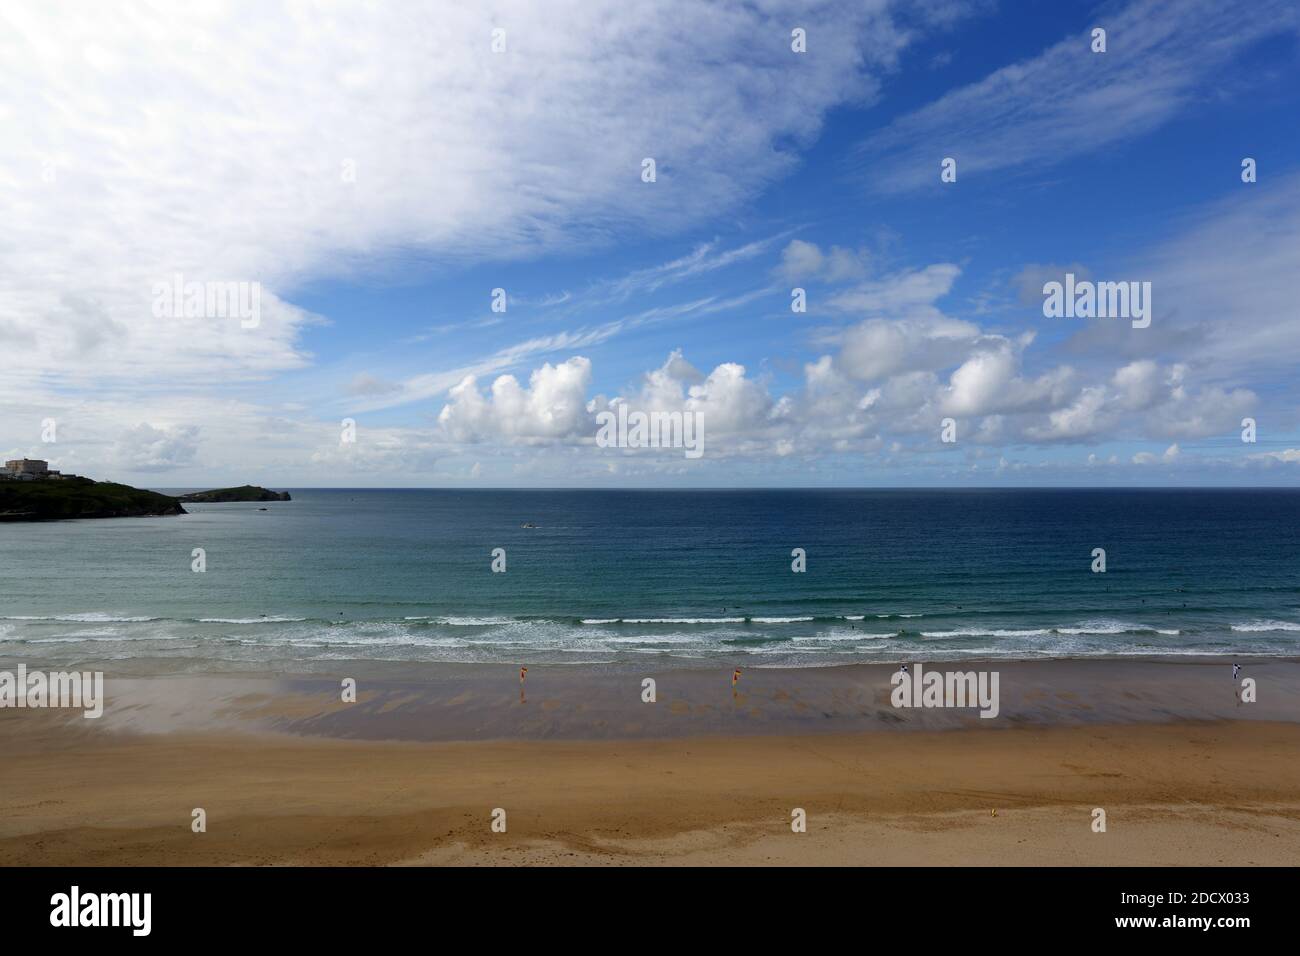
(680, 576)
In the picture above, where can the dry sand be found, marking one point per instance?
(286, 776)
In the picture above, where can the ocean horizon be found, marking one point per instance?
(701, 577)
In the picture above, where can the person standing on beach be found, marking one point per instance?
(1236, 669)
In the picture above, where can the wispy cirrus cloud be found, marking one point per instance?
(435, 384)
(329, 140)
(348, 143)
(1069, 101)
(1224, 286)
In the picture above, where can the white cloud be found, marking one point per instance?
(146, 448)
(1200, 414)
(366, 384)
(802, 260)
(978, 381)
(730, 402)
(1136, 384)
(552, 406)
(1239, 296)
(278, 143)
(1069, 101)
(990, 381)
(880, 393)
(1286, 455)
(1147, 458)
(1144, 400)
(1078, 420)
(902, 295)
(221, 155)
(1029, 281)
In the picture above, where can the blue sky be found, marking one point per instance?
(465, 170)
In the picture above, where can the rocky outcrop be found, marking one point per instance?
(242, 493)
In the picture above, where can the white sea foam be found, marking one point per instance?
(368, 642)
(90, 618)
(1254, 626)
(842, 635)
(462, 621)
(986, 632)
(251, 620)
(683, 620)
(473, 621)
(1147, 652)
(650, 639)
(1087, 628)
(111, 637)
(1101, 628)
(831, 640)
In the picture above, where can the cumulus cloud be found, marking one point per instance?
(1285, 456)
(989, 382)
(269, 157)
(730, 402)
(1147, 458)
(552, 405)
(879, 389)
(1136, 385)
(888, 385)
(1078, 420)
(1166, 406)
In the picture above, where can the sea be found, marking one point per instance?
(683, 577)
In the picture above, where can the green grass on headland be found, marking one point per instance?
(48, 499)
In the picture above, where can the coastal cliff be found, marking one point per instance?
(53, 500)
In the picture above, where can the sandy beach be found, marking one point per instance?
(587, 772)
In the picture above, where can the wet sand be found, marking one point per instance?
(477, 702)
(588, 773)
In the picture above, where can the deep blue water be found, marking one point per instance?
(676, 575)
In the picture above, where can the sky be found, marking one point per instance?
(445, 216)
